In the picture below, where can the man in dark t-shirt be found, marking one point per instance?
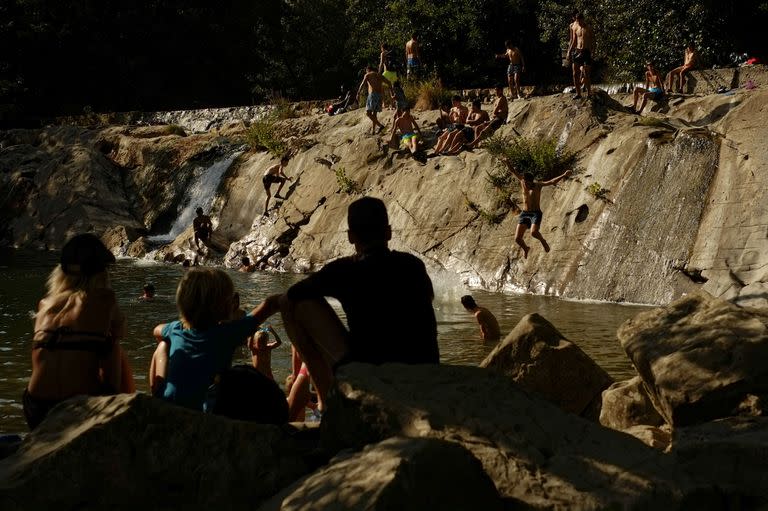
(386, 295)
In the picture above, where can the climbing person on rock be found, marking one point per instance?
(654, 88)
(489, 325)
(367, 284)
(580, 50)
(531, 215)
(514, 69)
(275, 174)
(689, 60)
(375, 84)
(202, 228)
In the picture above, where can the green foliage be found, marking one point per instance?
(539, 156)
(175, 129)
(597, 191)
(282, 108)
(346, 185)
(426, 94)
(265, 135)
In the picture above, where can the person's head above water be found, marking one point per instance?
(149, 290)
(199, 211)
(204, 297)
(468, 302)
(368, 223)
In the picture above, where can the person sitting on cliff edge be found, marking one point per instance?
(531, 215)
(367, 284)
(202, 228)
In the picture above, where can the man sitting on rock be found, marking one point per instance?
(375, 287)
(202, 228)
(489, 325)
(500, 113)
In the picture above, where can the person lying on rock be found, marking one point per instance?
(489, 326)
(500, 113)
(78, 327)
(202, 228)
(275, 174)
(375, 286)
(195, 349)
(531, 215)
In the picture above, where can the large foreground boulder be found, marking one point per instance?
(730, 453)
(539, 359)
(136, 452)
(405, 474)
(626, 404)
(699, 357)
(538, 456)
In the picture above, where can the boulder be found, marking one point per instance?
(730, 454)
(626, 404)
(408, 474)
(699, 357)
(137, 452)
(138, 248)
(539, 359)
(658, 438)
(538, 456)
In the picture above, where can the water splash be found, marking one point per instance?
(199, 195)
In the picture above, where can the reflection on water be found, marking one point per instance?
(22, 283)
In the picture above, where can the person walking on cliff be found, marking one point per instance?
(515, 68)
(275, 174)
(531, 215)
(375, 84)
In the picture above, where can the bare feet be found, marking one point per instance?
(544, 244)
(525, 251)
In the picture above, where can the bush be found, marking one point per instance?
(346, 184)
(426, 94)
(263, 135)
(539, 156)
(597, 191)
(282, 108)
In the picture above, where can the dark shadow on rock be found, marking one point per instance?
(716, 114)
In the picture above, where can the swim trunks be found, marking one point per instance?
(454, 127)
(406, 137)
(513, 69)
(469, 133)
(373, 103)
(656, 92)
(582, 57)
(496, 123)
(530, 218)
(413, 65)
(268, 179)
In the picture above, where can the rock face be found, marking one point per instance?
(136, 452)
(627, 404)
(538, 456)
(399, 473)
(649, 238)
(700, 357)
(539, 359)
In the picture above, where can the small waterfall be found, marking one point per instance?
(199, 195)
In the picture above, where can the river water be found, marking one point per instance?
(592, 326)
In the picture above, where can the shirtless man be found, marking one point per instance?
(500, 113)
(569, 57)
(456, 117)
(654, 88)
(376, 84)
(476, 117)
(409, 131)
(202, 228)
(580, 51)
(689, 60)
(516, 66)
(274, 174)
(489, 326)
(413, 57)
(531, 214)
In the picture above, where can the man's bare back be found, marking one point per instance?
(412, 49)
(406, 124)
(489, 325)
(375, 82)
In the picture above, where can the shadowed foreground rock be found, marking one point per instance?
(626, 404)
(537, 455)
(699, 357)
(405, 474)
(136, 452)
(539, 359)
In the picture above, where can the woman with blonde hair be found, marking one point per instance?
(78, 325)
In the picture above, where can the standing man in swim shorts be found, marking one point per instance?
(274, 174)
(531, 215)
(413, 57)
(580, 51)
(376, 84)
(202, 227)
(516, 66)
(654, 88)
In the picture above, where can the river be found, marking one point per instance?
(22, 283)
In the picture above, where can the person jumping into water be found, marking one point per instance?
(531, 214)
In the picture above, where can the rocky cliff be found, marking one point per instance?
(683, 203)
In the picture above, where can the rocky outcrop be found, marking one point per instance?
(538, 456)
(700, 358)
(626, 404)
(137, 452)
(539, 359)
(406, 474)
